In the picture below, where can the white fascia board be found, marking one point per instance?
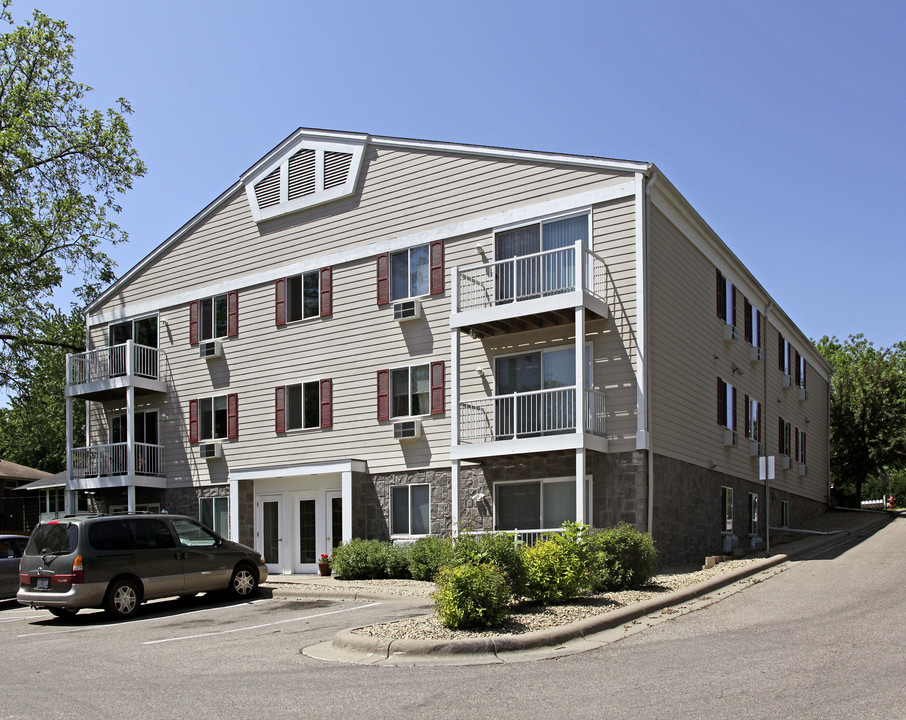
(511, 154)
(678, 210)
(271, 160)
(525, 213)
(287, 471)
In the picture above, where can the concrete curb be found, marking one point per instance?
(355, 647)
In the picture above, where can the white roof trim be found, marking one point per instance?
(288, 471)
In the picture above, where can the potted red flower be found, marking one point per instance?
(324, 564)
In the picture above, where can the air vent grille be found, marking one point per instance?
(267, 192)
(336, 168)
(301, 174)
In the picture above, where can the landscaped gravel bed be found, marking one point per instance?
(528, 617)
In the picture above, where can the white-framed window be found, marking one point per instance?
(536, 504)
(214, 512)
(304, 405)
(214, 418)
(799, 446)
(753, 514)
(752, 324)
(410, 509)
(726, 299)
(784, 437)
(753, 419)
(726, 404)
(784, 355)
(410, 391)
(141, 330)
(784, 513)
(726, 495)
(302, 296)
(410, 273)
(212, 317)
(800, 371)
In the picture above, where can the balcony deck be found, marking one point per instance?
(104, 373)
(531, 291)
(104, 466)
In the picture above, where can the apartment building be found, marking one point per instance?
(389, 338)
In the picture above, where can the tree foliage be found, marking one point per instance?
(867, 410)
(63, 167)
(33, 427)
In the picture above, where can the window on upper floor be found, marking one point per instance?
(214, 418)
(726, 404)
(799, 446)
(411, 391)
(726, 300)
(143, 331)
(410, 273)
(752, 324)
(800, 371)
(753, 419)
(214, 317)
(304, 296)
(784, 355)
(410, 512)
(303, 405)
(784, 437)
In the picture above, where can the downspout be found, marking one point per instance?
(643, 198)
(767, 475)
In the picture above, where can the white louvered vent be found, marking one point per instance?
(336, 168)
(302, 174)
(267, 192)
(310, 169)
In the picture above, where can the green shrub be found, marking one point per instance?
(428, 555)
(620, 558)
(360, 560)
(497, 548)
(555, 570)
(471, 596)
(396, 561)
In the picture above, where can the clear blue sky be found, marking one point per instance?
(782, 122)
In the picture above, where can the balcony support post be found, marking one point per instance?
(67, 493)
(346, 488)
(582, 382)
(130, 436)
(454, 421)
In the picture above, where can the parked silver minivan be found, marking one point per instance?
(117, 562)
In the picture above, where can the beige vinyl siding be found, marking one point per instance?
(688, 354)
(400, 192)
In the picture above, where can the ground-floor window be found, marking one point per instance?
(753, 514)
(410, 510)
(214, 512)
(727, 502)
(534, 504)
(784, 513)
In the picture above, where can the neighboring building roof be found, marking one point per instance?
(58, 480)
(14, 471)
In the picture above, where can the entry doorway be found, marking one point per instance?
(269, 538)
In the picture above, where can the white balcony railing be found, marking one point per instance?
(113, 361)
(109, 460)
(527, 277)
(530, 414)
(527, 538)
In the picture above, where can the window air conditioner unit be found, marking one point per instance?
(803, 470)
(731, 438)
(407, 310)
(786, 381)
(407, 429)
(210, 451)
(803, 394)
(754, 449)
(785, 462)
(729, 333)
(210, 349)
(755, 354)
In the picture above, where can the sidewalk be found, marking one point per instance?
(580, 636)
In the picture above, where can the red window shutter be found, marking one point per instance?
(721, 295)
(733, 410)
(193, 322)
(748, 424)
(326, 286)
(232, 416)
(280, 302)
(796, 450)
(437, 388)
(383, 279)
(326, 403)
(280, 409)
(747, 320)
(233, 313)
(802, 379)
(780, 354)
(193, 421)
(383, 395)
(780, 436)
(436, 254)
(721, 403)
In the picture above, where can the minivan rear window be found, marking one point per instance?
(59, 538)
(109, 535)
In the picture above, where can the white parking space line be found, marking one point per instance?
(256, 627)
(109, 625)
(20, 618)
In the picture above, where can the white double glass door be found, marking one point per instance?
(294, 529)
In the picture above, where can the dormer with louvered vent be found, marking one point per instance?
(307, 169)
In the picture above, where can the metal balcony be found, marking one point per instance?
(103, 373)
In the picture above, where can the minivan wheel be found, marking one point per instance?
(243, 583)
(123, 599)
(62, 612)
